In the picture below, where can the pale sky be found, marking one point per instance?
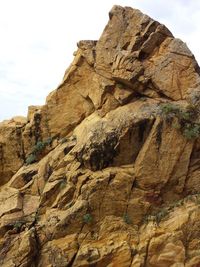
(38, 38)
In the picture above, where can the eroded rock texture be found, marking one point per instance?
(107, 172)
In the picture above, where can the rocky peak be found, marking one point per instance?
(106, 173)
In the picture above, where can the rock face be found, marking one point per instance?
(107, 172)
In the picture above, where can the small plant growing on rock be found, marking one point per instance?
(176, 203)
(18, 225)
(161, 214)
(37, 149)
(169, 109)
(182, 119)
(30, 159)
(63, 140)
(87, 218)
(40, 145)
(156, 216)
(62, 184)
(127, 219)
(191, 131)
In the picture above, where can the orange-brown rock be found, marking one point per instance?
(106, 173)
(11, 147)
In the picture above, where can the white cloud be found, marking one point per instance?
(38, 38)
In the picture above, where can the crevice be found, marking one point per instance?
(37, 130)
(143, 55)
(147, 252)
(159, 134)
(70, 264)
(5, 249)
(38, 248)
(19, 133)
(172, 80)
(132, 251)
(154, 87)
(80, 188)
(139, 93)
(181, 54)
(130, 193)
(184, 192)
(73, 259)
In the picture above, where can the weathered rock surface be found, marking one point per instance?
(107, 172)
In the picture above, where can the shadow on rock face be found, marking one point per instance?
(97, 156)
(114, 148)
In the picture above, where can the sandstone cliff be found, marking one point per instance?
(107, 172)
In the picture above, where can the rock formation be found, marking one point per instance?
(107, 172)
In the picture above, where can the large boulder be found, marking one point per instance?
(106, 173)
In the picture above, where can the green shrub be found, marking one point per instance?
(18, 225)
(182, 119)
(184, 115)
(157, 216)
(168, 109)
(172, 110)
(87, 218)
(176, 124)
(176, 203)
(37, 149)
(40, 145)
(191, 131)
(30, 159)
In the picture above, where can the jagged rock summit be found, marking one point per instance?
(107, 172)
